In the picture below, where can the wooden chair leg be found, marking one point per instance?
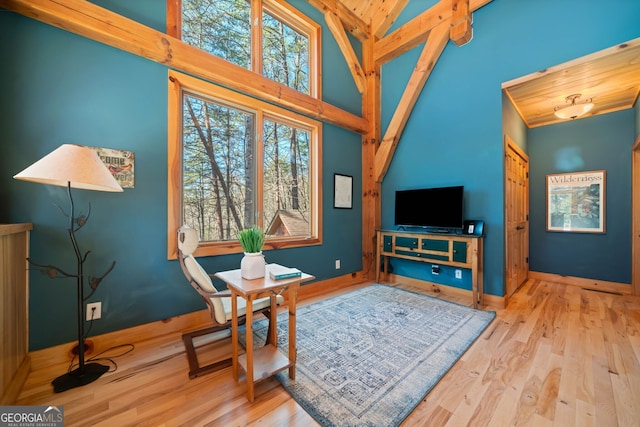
(195, 370)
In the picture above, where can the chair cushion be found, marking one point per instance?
(222, 307)
(199, 274)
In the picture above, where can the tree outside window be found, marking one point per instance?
(237, 162)
(283, 47)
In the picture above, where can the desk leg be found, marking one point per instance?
(234, 335)
(249, 349)
(293, 352)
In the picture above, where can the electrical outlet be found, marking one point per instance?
(458, 274)
(337, 264)
(96, 307)
(435, 270)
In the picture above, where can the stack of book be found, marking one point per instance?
(279, 272)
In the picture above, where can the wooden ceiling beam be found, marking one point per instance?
(417, 30)
(386, 15)
(336, 28)
(461, 30)
(436, 42)
(88, 20)
(351, 22)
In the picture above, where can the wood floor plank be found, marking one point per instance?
(566, 403)
(585, 414)
(556, 356)
(605, 407)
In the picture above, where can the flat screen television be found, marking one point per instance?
(439, 208)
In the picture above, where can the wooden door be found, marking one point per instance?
(516, 168)
(635, 214)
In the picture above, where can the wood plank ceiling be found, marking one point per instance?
(610, 78)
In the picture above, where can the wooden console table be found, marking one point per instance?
(457, 250)
(265, 361)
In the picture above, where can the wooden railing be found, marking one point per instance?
(14, 309)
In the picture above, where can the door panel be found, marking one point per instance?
(516, 167)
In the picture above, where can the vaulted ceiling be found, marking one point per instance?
(610, 78)
(363, 18)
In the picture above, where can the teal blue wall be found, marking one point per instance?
(595, 143)
(512, 124)
(61, 88)
(454, 135)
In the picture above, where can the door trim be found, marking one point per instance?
(635, 217)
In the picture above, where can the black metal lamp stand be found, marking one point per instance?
(80, 167)
(85, 373)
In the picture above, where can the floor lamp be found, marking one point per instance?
(74, 166)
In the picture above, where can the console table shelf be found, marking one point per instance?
(456, 250)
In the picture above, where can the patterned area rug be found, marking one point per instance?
(368, 357)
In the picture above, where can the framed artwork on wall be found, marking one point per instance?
(120, 163)
(576, 202)
(342, 191)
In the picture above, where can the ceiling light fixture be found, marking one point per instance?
(573, 110)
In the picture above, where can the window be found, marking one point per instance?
(282, 45)
(235, 162)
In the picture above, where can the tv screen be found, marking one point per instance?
(437, 208)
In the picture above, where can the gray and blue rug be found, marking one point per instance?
(368, 357)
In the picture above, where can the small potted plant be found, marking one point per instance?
(252, 265)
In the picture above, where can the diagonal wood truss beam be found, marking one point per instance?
(416, 31)
(434, 27)
(336, 28)
(94, 22)
(436, 42)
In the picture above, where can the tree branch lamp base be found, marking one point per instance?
(73, 379)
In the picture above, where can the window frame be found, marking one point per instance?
(180, 83)
(283, 12)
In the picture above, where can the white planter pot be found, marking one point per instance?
(252, 265)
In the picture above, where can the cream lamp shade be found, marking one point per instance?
(71, 165)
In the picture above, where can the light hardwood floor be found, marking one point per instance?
(556, 356)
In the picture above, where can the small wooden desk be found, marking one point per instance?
(264, 361)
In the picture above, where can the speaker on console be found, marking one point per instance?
(474, 227)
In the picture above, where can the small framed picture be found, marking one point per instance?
(342, 191)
